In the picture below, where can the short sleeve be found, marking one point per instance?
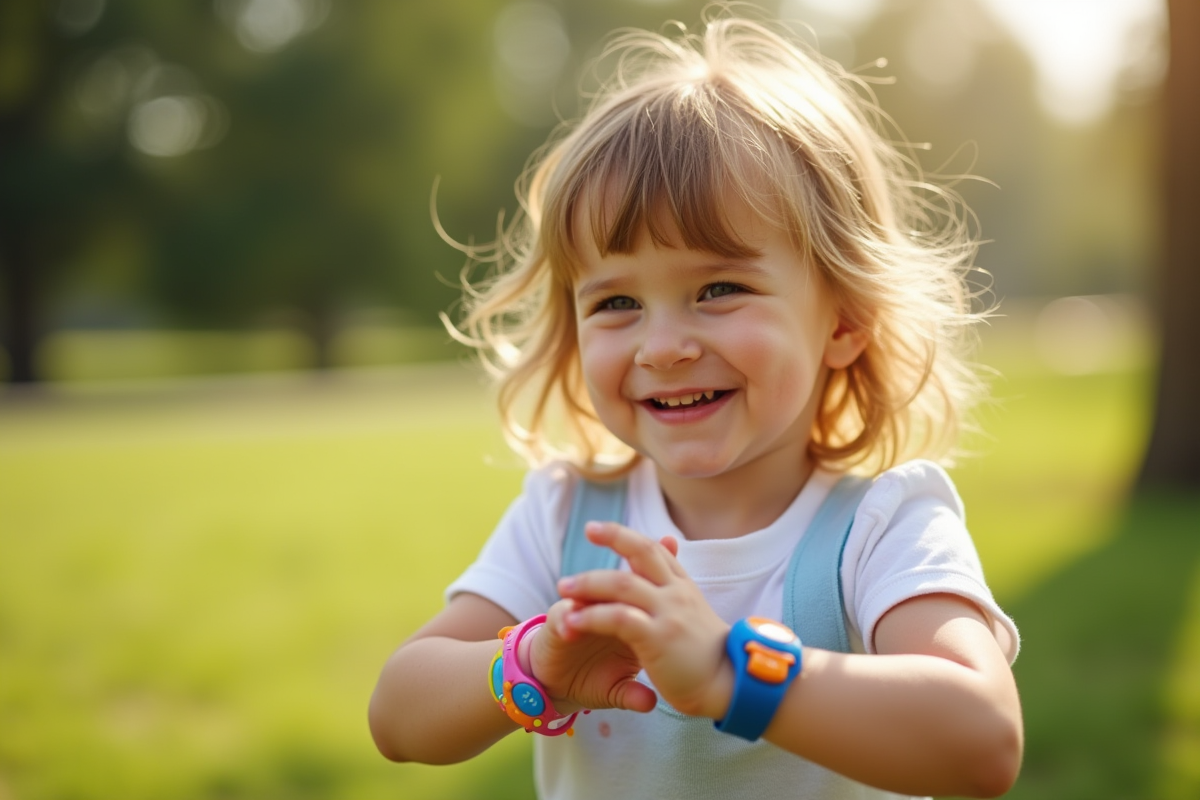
(909, 538)
(518, 567)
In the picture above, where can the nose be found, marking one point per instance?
(666, 343)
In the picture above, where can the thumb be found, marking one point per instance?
(633, 696)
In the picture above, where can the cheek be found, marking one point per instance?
(783, 343)
(602, 361)
(783, 356)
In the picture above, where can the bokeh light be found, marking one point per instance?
(173, 125)
(532, 48)
(1082, 47)
(265, 26)
(77, 17)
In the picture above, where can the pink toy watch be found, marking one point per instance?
(520, 695)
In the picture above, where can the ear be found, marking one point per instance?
(845, 345)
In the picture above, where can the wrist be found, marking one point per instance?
(525, 650)
(527, 659)
(765, 658)
(720, 693)
(517, 692)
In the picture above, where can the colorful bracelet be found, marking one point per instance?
(520, 696)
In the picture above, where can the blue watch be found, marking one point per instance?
(766, 659)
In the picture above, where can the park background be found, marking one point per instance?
(239, 458)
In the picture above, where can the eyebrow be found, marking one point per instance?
(604, 285)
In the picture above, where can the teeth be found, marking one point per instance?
(685, 399)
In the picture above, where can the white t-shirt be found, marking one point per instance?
(908, 539)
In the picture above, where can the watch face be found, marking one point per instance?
(772, 629)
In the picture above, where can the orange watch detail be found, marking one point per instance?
(767, 664)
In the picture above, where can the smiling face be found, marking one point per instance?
(708, 364)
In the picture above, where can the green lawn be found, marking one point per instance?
(200, 581)
(83, 356)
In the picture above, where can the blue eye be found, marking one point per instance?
(719, 290)
(619, 303)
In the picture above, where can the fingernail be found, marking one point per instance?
(566, 584)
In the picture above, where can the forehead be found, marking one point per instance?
(609, 219)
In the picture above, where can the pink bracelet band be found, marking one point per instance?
(520, 696)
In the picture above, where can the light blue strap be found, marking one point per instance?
(593, 501)
(812, 590)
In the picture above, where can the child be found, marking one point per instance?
(732, 290)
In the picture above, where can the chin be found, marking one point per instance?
(701, 465)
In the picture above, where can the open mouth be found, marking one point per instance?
(690, 400)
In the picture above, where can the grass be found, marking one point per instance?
(90, 355)
(197, 591)
(1104, 680)
(200, 581)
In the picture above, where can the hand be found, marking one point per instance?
(659, 613)
(585, 671)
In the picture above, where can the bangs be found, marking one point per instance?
(674, 166)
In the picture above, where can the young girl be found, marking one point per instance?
(733, 291)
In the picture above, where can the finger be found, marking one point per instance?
(646, 557)
(608, 586)
(671, 543)
(556, 619)
(672, 546)
(633, 696)
(628, 623)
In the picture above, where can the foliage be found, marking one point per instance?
(187, 164)
(163, 163)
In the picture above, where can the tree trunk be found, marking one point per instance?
(321, 327)
(27, 196)
(1173, 458)
(18, 315)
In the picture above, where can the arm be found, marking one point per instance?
(431, 703)
(935, 713)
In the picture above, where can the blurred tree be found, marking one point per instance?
(1062, 209)
(237, 161)
(265, 156)
(283, 214)
(1173, 458)
(962, 95)
(48, 185)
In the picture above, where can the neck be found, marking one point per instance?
(739, 501)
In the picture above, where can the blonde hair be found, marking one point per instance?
(686, 121)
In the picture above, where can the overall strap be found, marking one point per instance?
(593, 501)
(812, 590)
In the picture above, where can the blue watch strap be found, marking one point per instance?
(766, 659)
